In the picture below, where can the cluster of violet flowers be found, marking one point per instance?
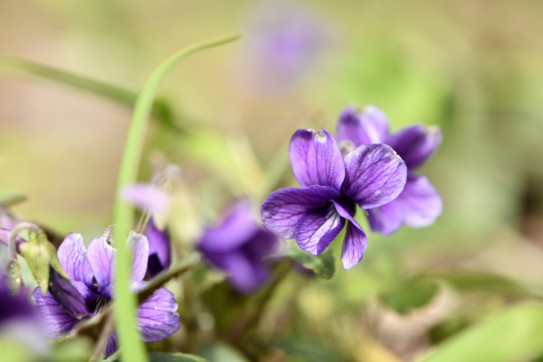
(369, 167)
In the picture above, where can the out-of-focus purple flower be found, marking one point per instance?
(156, 201)
(91, 289)
(147, 197)
(159, 249)
(314, 215)
(18, 318)
(419, 204)
(284, 41)
(238, 245)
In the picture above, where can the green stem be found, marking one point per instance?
(160, 108)
(8, 199)
(165, 276)
(125, 301)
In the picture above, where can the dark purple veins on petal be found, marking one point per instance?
(285, 207)
(318, 228)
(354, 246)
(316, 158)
(375, 175)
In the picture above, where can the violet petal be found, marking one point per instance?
(237, 227)
(362, 127)
(71, 254)
(418, 205)
(111, 345)
(283, 208)
(354, 245)
(66, 294)
(318, 228)
(140, 248)
(147, 197)
(263, 243)
(415, 144)
(246, 275)
(157, 317)
(316, 158)
(100, 258)
(375, 175)
(57, 320)
(159, 245)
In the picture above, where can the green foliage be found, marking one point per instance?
(323, 265)
(475, 280)
(411, 295)
(174, 357)
(219, 352)
(513, 335)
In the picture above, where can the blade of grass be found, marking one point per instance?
(125, 301)
(122, 95)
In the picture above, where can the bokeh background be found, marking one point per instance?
(472, 68)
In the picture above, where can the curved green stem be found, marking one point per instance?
(125, 301)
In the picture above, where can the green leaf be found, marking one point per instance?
(410, 296)
(323, 265)
(475, 280)
(174, 357)
(125, 301)
(10, 198)
(513, 335)
(110, 91)
(221, 352)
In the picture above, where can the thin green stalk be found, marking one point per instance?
(165, 276)
(125, 301)
(77, 81)
(126, 96)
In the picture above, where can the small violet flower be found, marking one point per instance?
(419, 204)
(332, 185)
(238, 245)
(91, 289)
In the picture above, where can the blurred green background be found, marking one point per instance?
(472, 67)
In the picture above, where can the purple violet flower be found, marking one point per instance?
(91, 289)
(238, 245)
(419, 204)
(332, 185)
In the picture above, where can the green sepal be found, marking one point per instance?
(323, 265)
(39, 253)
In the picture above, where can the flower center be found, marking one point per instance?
(101, 303)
